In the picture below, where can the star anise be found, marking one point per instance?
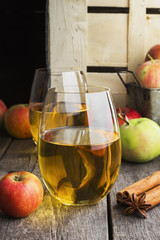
(137, 203)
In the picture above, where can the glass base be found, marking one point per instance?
(69, 202)
(79, 204)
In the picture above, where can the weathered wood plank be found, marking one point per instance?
(134, 227)
(152, 3)
(106, 41)
(4, 143)
(108, 3)
(89, 222)
(19, 157)
(110, 80)
(34, 227)
(122, 3)
(67, 33)
(52, 220)
(152, 33)
(136, 34)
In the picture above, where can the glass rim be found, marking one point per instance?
(98, 89)
(59, 70)
(41, 69)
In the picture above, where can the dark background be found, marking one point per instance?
(22, 47)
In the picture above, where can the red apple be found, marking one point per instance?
(148, 74)
(154, 52)
(17, 121)
(3, 109)
(129, 112)
(21, 193)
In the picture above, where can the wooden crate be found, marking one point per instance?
(99, 35)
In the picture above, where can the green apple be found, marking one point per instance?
(140, 140)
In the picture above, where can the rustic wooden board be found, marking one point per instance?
(152, 33)
(110, 3)
(52, 220)
(152, 3)
(20, 156)
(122, 3)
(136, 34)
(81, 222)
(4, 143)
(67, 31)
(106, 40)
(133, 226)
(110, 80)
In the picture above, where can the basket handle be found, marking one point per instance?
(128, 71)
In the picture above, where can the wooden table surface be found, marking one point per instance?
(52, 220)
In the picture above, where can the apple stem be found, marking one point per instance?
(125, 118)
(17, 178)
(119, 110)
(153, 61)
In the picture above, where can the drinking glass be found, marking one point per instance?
(43, 79)
(39, 89)
(79, 148)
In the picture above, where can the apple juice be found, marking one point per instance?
(57, 117)
(79, 165)
(34, 119)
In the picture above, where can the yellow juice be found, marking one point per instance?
(34, 119)
(79, 165)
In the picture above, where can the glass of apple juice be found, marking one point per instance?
(79, 148)
(44, 79)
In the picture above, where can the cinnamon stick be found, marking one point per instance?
(141, 195)
(153, 197)
(139, 187)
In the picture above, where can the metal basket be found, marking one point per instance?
(145, 101)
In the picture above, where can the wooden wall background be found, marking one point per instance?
(22, 47)
(101, 35)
